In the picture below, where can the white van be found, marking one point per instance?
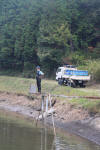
(70, 75)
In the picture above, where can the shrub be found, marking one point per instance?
(78, 58)
(93, 66)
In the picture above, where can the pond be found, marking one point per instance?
(21, 134)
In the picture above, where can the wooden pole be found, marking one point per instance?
(52, 116)
(42, 107)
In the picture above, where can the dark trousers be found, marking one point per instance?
(39, 84)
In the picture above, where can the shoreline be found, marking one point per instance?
(84, 126)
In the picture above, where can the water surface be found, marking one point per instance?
(16, 134)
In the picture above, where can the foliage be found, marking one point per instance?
(93, 66)
(46, 32)
(78, 58)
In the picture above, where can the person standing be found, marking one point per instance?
(39, 75)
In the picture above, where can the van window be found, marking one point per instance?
(58, 70)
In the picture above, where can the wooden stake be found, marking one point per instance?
(52, 116)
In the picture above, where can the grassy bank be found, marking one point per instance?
(21, 86)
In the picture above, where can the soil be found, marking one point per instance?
(66, 116)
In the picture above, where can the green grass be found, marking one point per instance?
(53, 87)
(93, 106)
(21, 86)
(15, 84)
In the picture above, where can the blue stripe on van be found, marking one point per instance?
(76, 72)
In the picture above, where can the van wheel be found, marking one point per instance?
(60, 81)
(82, 85)
(72, 84)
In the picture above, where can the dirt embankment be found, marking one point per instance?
(67, 117)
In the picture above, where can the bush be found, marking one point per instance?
(78, 58)
(93, 66)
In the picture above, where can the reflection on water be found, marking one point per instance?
(14, 136)
(63, 144)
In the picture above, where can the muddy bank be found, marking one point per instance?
(67, 117)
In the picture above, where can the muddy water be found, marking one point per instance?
(16, 134)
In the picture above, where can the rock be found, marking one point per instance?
(2, 100)
(95, 123)
(49, 112)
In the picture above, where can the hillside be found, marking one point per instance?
(48, 32)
